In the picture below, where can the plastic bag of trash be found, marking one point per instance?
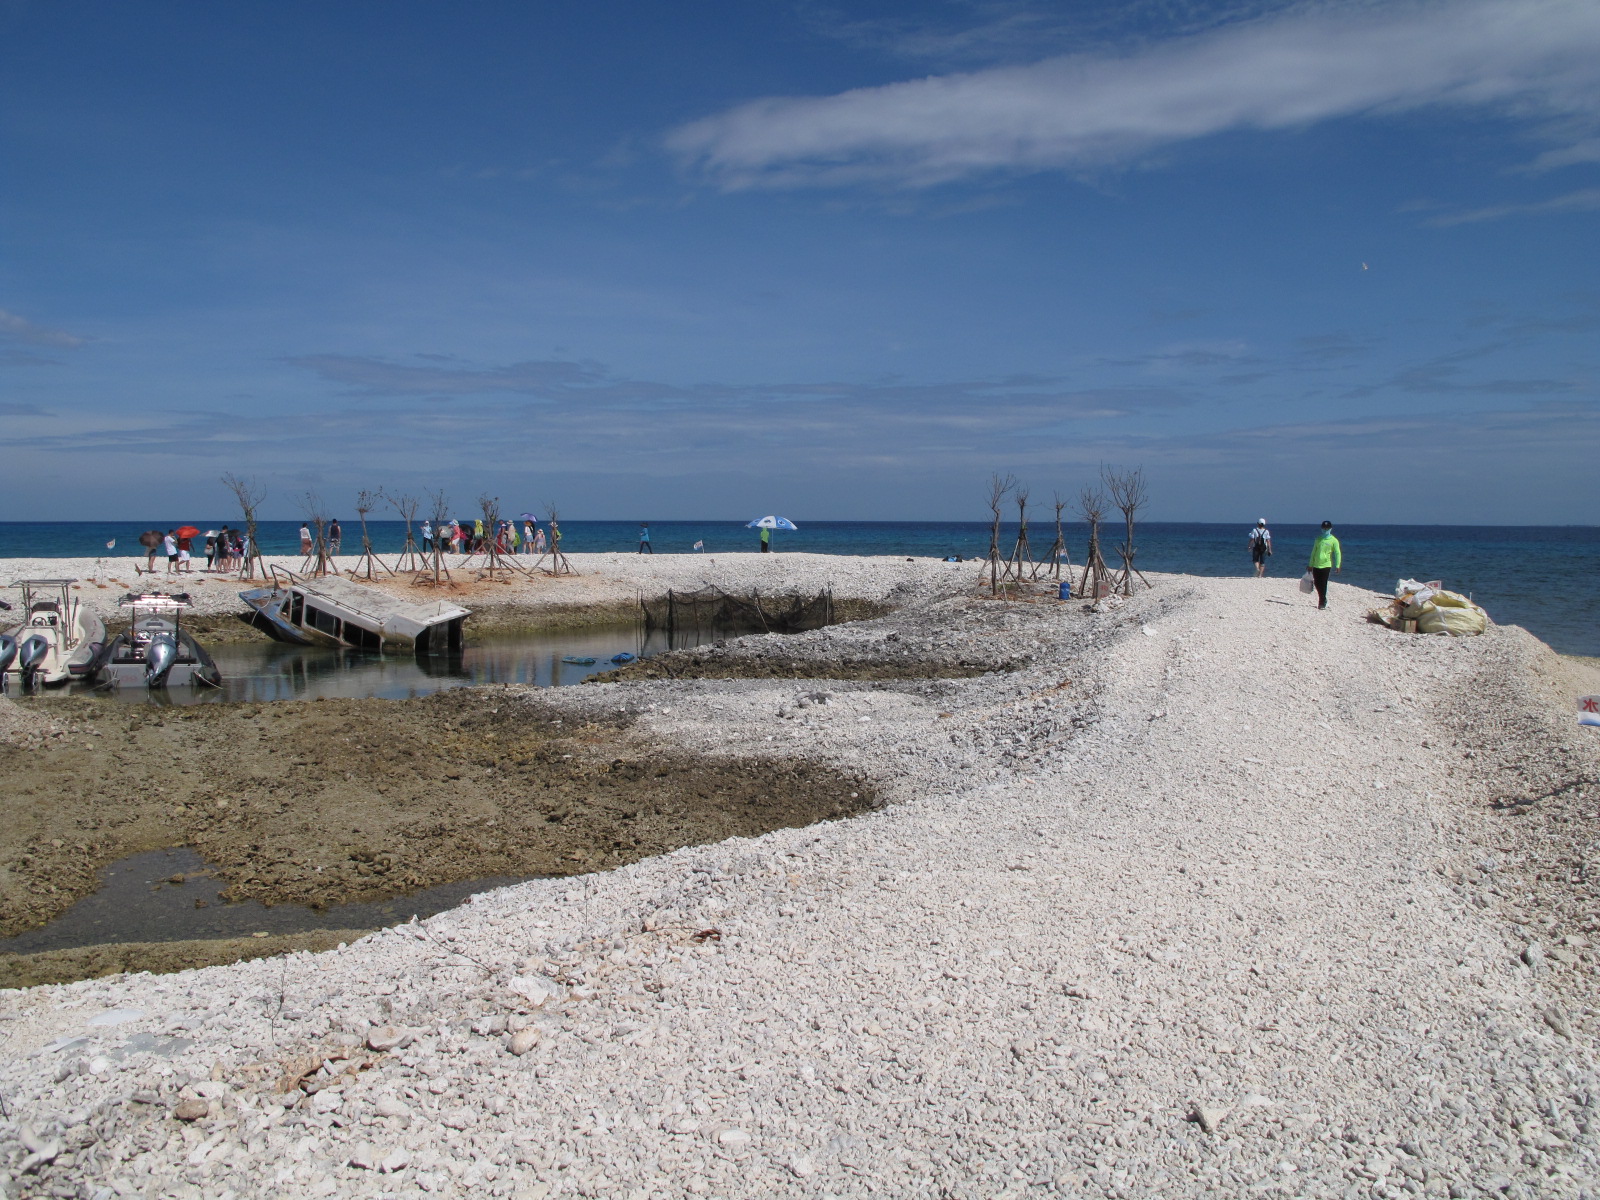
(1457, 622)
(1307, 584)
(1446, 599)
(1416, 595)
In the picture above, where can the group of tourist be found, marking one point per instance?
(225, 549)
(472, 537)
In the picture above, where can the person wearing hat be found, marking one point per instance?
(1260, 546)
(1325, 558)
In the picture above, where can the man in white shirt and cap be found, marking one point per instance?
(1260, 546)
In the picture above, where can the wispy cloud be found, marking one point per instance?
(1584, 200)
(406, 415)
(1532, 58)
(591, 389)
(19, 331)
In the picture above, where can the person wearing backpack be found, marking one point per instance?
(1260, 546)
(1326, 557)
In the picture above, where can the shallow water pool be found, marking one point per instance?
(253, 672)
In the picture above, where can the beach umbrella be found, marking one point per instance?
(188, 531)
(528, 517)
(771, 522)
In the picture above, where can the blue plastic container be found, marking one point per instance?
(1066, 589)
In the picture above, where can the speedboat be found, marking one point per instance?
(58, 638)
(154, 650)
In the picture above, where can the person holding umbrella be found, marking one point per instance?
(766, 525)
(185, 535)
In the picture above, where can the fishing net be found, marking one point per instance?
(713, 608)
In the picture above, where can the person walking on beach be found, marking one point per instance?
(1325, 557)
(527, 537)
(305, 539)
(335, 536)
(766, 540)
(538, 539)
(1260, 546)
(169, 547)
(427, 536)
(644, 540)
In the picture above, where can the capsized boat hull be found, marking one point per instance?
(337, 612)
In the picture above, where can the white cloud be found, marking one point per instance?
(1585, 200)
(1537, 58)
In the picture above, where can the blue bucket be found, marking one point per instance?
(1066, 589)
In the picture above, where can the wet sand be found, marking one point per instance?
(327, 802)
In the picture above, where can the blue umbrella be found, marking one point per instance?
(772, 523)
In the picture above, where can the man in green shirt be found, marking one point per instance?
(1325, 557)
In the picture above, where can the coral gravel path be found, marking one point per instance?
(1190, 903)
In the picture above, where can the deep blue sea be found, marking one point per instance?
(1540, 577)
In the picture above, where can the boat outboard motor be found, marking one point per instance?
(30, 654)
(158, 659)
(8, 652)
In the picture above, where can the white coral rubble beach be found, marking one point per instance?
(1166, 911)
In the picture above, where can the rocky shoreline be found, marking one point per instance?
(1202, 894)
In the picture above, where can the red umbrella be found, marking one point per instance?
(187, 531)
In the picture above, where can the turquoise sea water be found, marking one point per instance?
(1539, 577)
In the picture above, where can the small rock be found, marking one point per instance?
(384, 1038)
(390, 1106)
(191, 1110)
(1557, 1020)
(535, 989)
(145, 1096)
(456, 1118)
(523, 1040)
(364, 1158)
(395, 1160)
(736, 1139)
(327, 1100)
(1210, 1116)
(1533, 955)
(803, 1166)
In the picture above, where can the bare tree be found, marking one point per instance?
(1129, 494)
(1022, 552)
(1000, 486)
(1092, 507)
(493, 559)
(406, 504)
(439, 504)
(366, 501)
(1058, 548)
(558, 561)
(249, 494)
(318, 562)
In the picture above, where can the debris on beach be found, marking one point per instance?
(1430, 608)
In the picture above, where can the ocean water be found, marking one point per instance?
(1540, 577)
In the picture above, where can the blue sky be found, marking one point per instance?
(837, 261)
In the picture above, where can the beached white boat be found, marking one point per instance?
(58, 638)
(155, 650)
(342, 613)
